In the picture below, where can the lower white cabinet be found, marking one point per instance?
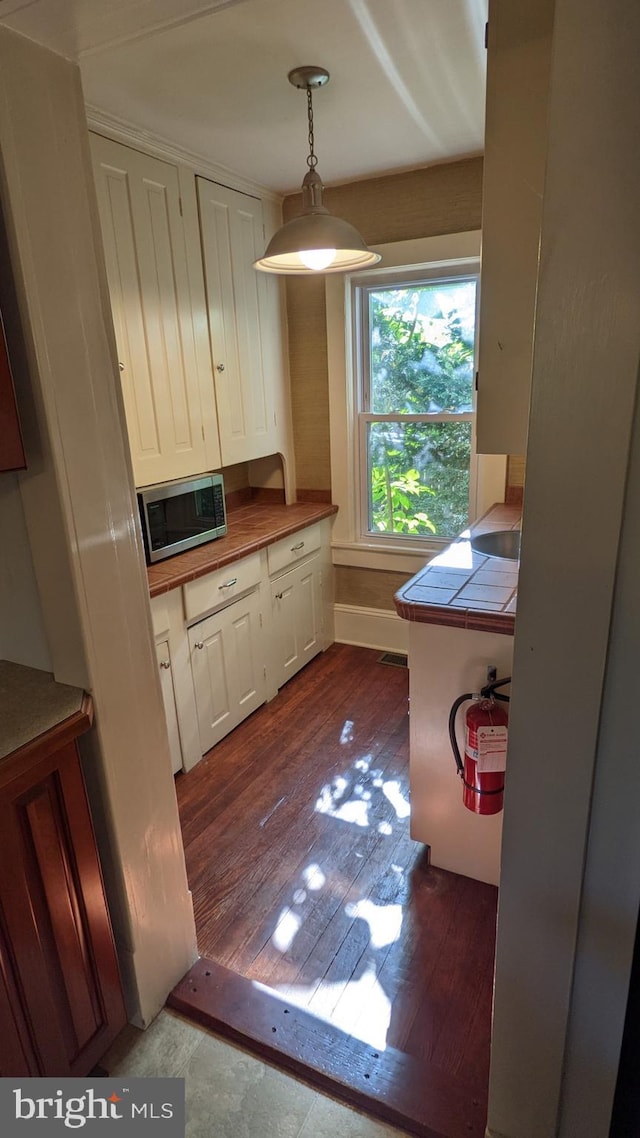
(228, 640)
(297, 618)
(163, 655)
(228, 668)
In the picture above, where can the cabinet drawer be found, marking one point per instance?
(216, 589)
(286, 552)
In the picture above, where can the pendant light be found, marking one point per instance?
(315, 242)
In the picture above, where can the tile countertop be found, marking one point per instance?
(464, 589)
(250, 527)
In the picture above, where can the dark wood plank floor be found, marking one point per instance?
(305, 879)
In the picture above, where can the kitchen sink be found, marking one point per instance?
(503, 543)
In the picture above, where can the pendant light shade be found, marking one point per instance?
(316, 241)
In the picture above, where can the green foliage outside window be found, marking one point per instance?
(421, 361)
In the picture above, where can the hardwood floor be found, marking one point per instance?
(305, 879)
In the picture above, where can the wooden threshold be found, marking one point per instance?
(390, 1085)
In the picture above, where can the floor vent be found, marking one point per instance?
(396, 659)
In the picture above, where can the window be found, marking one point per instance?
(372, 415)
(415, 402)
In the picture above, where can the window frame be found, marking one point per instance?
(361, 285)
(453, 253)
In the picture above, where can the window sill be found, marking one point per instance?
(399, 559)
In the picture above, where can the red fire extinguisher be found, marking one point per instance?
(482, 771)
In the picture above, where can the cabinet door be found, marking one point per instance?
(232, 239)
(161, 336)
(228, 670)
(168, 698)
(18, 1057)
(55, 923)
(518, 67)
(296, 618)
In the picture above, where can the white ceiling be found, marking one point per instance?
(406, 89)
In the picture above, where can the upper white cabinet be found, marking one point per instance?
(518, 68)
(244, 322)
(149, 220)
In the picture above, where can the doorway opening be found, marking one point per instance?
(328, 942)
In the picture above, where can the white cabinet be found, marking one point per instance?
(244, 323)
(296, 598)
(149, 221)
(223, 585)
(285, 553)
(228, 669)
(301, 599)
(228, 640)
(518, 68)
(163, 655)
(172, 647)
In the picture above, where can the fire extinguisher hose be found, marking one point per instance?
(452, 730)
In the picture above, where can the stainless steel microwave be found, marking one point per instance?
(176, 516)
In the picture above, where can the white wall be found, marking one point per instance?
(564, 946)
(80, 512)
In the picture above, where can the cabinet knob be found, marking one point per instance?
(165, 663)
(121, 365)
(228, 584)
(219, 367)
(198, 644)
(279, 596)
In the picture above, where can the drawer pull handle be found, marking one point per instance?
(228, 584)
(198, 644)
(165, 663)
(300, 545)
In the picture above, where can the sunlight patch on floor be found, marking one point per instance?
(361, 1009)
(349, 797)
(394, 795)
(354, 810)
(346, 735)
(286, 929)
(313, 877)
(384, 921)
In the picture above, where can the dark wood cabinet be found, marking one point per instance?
(11, 448)
(61, 1001)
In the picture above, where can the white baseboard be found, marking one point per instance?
(371, 628)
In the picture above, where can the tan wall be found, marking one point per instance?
(309, 382)
(418, 203)
(370, 588)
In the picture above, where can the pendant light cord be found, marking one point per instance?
(312, 161)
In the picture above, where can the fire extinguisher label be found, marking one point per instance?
(492, 749)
